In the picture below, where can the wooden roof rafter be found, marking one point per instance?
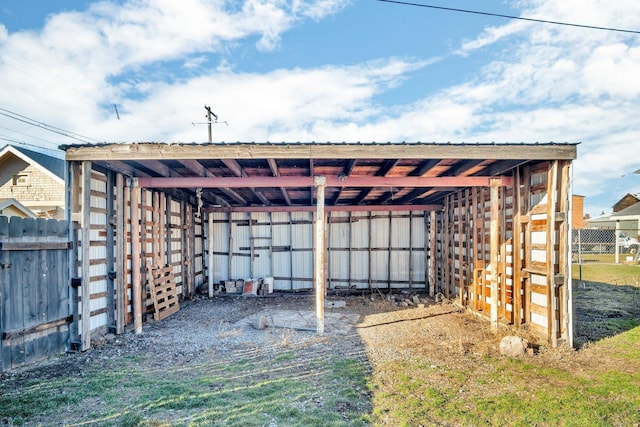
(237, 170)
(273, 165)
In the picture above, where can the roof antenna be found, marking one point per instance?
(115, 107)
(209, 121)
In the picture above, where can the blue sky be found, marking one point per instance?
(331, 70)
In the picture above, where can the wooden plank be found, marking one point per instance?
(120, 255)
(36, 328)
(110, 255)
(552, 202)
(86, 255)
(136, 281)
(320, 255)
(162, 286)
(495, 245)
(5, 267)
(158, 151)
(333, 182)
(34, 246)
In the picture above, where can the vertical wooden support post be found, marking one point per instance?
(136, 281)
(390, 244)
(433, 252)
(143, 248)
(252, 251)
(617, 243)
(518, 295)
(86, 255)
(73, 209)
(502, 265)
(210, 259)
(230, 254)
(121, 256)
(410, 250)
(349, 255)
(110, 256)
(566, 250)
(461, 223)
(290, 216)
(552, 298)
(320, 255)
(162, 224)
(329, 250)
(446, 244)
(494, 245)
(271, 262)
(369, 263)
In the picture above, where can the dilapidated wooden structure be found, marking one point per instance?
(486, 225)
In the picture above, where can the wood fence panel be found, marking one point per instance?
(34, 296)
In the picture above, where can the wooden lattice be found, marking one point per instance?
(162, 287)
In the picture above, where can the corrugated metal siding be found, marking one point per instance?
(379, 249)
(240, 254)
(360, 249)
(220, 247)
(282, 247)
(282, 260)
(260, 232)
(338, 244)
(302, 250)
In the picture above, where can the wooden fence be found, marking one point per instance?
(34, 290)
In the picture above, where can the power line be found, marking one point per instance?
(499, 15)
(15, 141)
(50, 128)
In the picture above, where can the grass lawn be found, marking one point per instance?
(614, 274)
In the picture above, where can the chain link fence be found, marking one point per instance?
(591, 245)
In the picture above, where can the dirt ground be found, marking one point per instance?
(373, 328)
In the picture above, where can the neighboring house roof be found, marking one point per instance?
(627, 213)
(13, 203)
(53, 166)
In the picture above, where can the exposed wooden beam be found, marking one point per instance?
(159, 151)
(233, 166)
(158, 167)
(124, 168)
(273, 165)
(348, 168)
(298, 182)
(198, 168)
(358, 208)
(424, 167)
(237, 170)
(387, 165)
(463, 167)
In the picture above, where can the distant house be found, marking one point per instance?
(577, 217)
(627, 220)
(33, 179)
(12, 207)
(627, 201)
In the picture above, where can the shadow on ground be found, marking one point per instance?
(602, 310)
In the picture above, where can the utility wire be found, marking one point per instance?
(544, 21)
(41, 125)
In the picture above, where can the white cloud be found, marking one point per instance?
(541, 82)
